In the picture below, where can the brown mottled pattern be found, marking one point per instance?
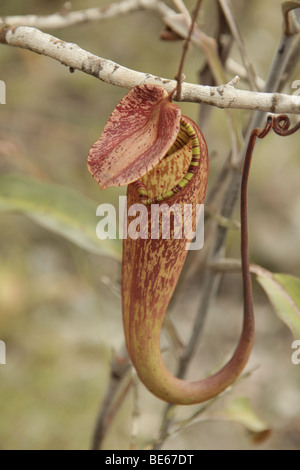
(136, 137)
(151, 269)
(168, 173)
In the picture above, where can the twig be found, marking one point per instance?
(230, 18)
(222, 222)
(181, 425)
(76, 58)
(175, 342)
(209, 47)
(180, 5)
(235, 68)
(113, 399)
(197, 417)
(218, 182)
(224, 41)
(179, 76)
(292, 65)
(65, 19)
(135, 411)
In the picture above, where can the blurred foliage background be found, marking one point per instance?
(60, 309)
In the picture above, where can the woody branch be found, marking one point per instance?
(65, 18)
(71, 55)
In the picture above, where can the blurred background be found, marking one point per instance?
(60, 309)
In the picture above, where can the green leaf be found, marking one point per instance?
(283, 291)
(59, 209)
(240, 411)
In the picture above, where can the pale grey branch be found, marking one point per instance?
(71, 55)
(65, 19)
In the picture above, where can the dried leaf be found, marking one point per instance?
(283, 291)
(241, 411)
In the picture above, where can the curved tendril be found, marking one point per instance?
(281, 125)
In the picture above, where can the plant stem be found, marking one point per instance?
(120, 367)
(179, 77)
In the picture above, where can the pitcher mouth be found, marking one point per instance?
(185, 152)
